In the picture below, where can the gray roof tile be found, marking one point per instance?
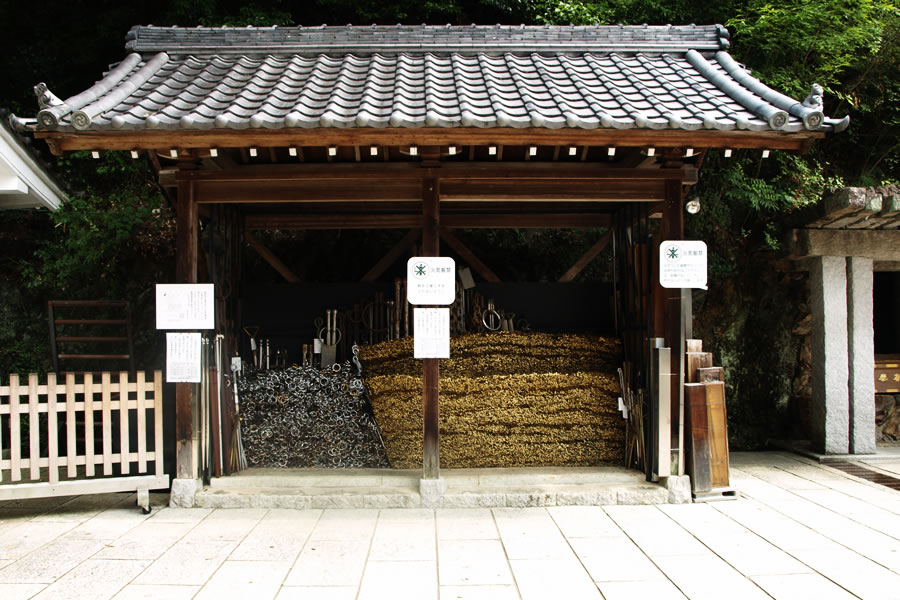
(549, 77)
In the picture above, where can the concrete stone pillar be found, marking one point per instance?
(861, 351)
(830, 414)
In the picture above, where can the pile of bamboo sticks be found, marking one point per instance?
(506, 399)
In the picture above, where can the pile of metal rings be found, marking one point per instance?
(307, 417)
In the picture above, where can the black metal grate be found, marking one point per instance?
(858, 470)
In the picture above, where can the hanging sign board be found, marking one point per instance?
(183, 357)
(682, 264)
(185, 306)
(431, 338)
(431, 280)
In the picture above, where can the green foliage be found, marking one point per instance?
(795, 43)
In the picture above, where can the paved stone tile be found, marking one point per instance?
(232, 524)
(109, 525)
(404, 534)
(738, 546)
(180, 515)
(466, 524)
(50, 562)
(856, 574)
(870, 543)
(801, 585)
(279, 536)
(20, 591)
(136, 591)
(614, 559)
(584, 522)
(553, 578)
(870, 493)
(188, 563)
(771, 525)
(5, 561)
(94, 579)
(329, 562)
(259, 580)
(28, 536)
(473, 562)
(399, 580)
(530, 533)
(660, 589)
(148, 540)
(318, 593)
(706, 577)
(782, 478)
(856, 510)
(479, 592)
(654, 532)
(81, 508)
(345, 524)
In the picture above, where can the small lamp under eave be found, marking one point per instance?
(692, 206)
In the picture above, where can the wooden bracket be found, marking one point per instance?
(586, 259)
(468, 256)
(270, 258)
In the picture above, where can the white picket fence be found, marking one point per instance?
(86, 434)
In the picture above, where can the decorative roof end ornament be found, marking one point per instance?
(814, 101)
(46, 100)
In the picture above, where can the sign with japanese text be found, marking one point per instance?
(185, 306)
(183, 357)
(430, 280)
(431, 338)
(682, 264)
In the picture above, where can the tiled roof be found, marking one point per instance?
(430, 76)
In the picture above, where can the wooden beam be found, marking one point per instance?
(286, 222)
(415, 171)
(877, 244)
(431, 459)
(425, 136)
(586, 259)
(270, 258)
(186, 255)
(459, 220)
(467, 255)
(392, 255)
(553, 189)
(673, 229)
(292, 191)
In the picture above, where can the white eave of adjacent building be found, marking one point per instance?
(24, 183)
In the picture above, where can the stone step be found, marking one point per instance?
(409, 497)
(467, 478)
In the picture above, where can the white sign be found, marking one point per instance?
(430, 280)
(183, 357)
(431, 338)
(185, 306)
(682, 264)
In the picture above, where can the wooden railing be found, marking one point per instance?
(78, 434)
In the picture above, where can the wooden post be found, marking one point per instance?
(186, 233)
(431, 460)
(673, 229)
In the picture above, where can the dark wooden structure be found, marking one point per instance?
(433, 129)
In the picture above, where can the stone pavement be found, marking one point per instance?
(802, 530)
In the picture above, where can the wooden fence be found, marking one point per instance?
(86, 434)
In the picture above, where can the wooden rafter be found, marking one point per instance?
(587, 257)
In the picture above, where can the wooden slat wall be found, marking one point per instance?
(46, 459)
